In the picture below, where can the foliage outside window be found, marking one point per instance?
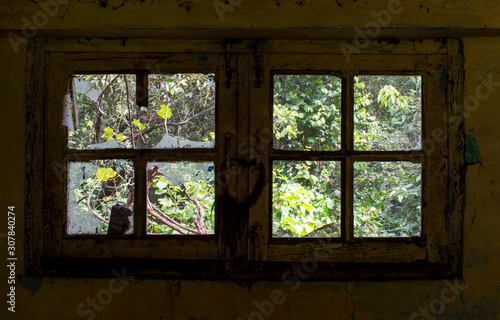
(179, 114)
(307, 194)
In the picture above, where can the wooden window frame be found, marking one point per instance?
(244, 73)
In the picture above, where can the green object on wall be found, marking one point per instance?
(472, 155)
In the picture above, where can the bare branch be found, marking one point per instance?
(92, 211)
(163, 214)
(165, 221)
(129, 112)
(190, 118)
(198, 221)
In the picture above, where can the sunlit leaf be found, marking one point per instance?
(138, 124)
(104, 174)
(308, 207)
(120, 137)
(161, 184)
(313, 179)
(164, 111)
(107, 133)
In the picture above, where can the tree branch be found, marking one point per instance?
(190, 118)
(165, 221)
(92, 211)
(129, 113)
(170, 219)
(198, 221)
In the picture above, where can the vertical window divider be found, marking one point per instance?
(142, 89)
(140, 164)
(347, 176)
(140, 196)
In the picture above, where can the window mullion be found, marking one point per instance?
(243, 149)
(140, 205)
(347, 191)
(260, 136)
(142, 89)
(228, 246)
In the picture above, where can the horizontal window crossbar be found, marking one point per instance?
(413, 156)
(148, 155)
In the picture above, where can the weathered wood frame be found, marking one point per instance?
(377, 249)
(62, 65)
(244, 109)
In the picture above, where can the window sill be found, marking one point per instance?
(308, 270)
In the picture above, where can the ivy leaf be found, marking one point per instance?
(104, 174)
(201, 194)
(288, 219)
(298, 229)
(120, 137)
(111, 173)
(107, 133)
(400, 198)
(139, 125)
(161, 184)
(306, 229)
(313, 179)
(164, 112)
(308, 207)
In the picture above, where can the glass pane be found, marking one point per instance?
(387, 113)
(181, 111)
(306, 198)
(180, 114)
(387, 197)
(181, 198)
(100, 197)
(306, 112)
(105, 105)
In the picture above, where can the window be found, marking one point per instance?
(210, 160)
(178, 113)
(308, 195)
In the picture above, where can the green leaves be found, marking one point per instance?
(202, 193)
(138, 124)
(161, 184)
(313, 179)
(388, 112)
(305, 115)
(305, 197)
(387, 199)
(108, 132)
(110, 135)
(164, 111)
(120, 137)
(387, 96)
(308, 207)
(103, 174)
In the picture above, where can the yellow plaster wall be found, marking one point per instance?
(56, 298)
(178, 14)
